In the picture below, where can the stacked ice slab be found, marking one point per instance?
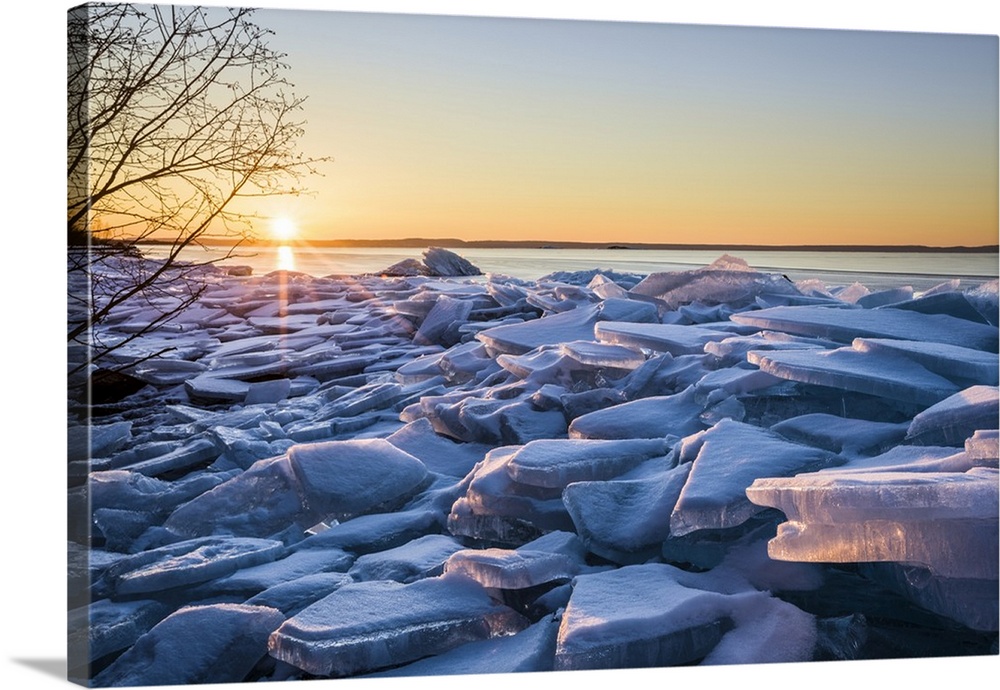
(410, 475)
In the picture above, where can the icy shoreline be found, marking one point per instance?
(418, 475)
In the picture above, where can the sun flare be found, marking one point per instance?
(283, 229)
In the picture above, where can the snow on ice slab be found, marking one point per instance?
(655, 417)
(220, 643)
(377, 532)
(335, 479)
(347, 478)
(555, 463)
(439, 453)
(528, 651)
(946, 521)
(677, 340)
(956, 418)
(415, 560)
(257, 578)
(293, 596)
(576, 324)
(637, 616)
(844, 325)
(731, 455)
(369, 626)
(882, 375)
(840, 434)
(185, 563)
(625, 521)
(950, 361)
(107, 626)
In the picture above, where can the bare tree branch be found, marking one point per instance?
(173, 115)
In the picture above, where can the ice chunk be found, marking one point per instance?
(216, 389)
(219, 643)
(728, 280)
(346, 478)
(512, 568)
(655, 417)
(106, 626)
(951, 303)
(971, 602)
(530, 650)
(377, 532)
(840, 434)
(294, 595)
(492, 491)
(983, 444)
(884, 297)
(959, 364)
(440, 327)
(915, 459)
(733, 350)
(602, 356)
(186, 457)
(417, 559)
(98, 440)
(720, 383)
(368, 626)
(871, 373)
(185, 563)
(438, 453)
(554, 463)
(844, 325)
(268, 391)
(576, 324)
(442, 262)
(954, 419)
(677, 340)
(606, 625)
(126, 490)
(336, 479)
(259, 502)
(258, 578)
(730, 457)
(944, 521)
(625, 521)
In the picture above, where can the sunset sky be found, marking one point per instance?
(528, 129)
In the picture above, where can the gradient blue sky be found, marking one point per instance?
(445, 126)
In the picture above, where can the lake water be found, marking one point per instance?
(874, 269)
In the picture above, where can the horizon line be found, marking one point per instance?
(452, 242)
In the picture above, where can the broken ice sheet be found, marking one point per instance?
(368, 626)
(680, 619)
(730, 456)
(945, 521)
(555, 463)
(422, 557)
(625, 521)
(844, 325)
(218, 643)
(872, 373)
(532, 649)
(185, 563)
(655, 417)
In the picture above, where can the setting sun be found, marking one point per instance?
(283, 229)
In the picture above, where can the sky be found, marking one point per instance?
(624, 131)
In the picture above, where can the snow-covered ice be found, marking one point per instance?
(410, 474)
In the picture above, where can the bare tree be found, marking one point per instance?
(175, 114)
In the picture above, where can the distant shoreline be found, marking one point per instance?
(451, 243)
